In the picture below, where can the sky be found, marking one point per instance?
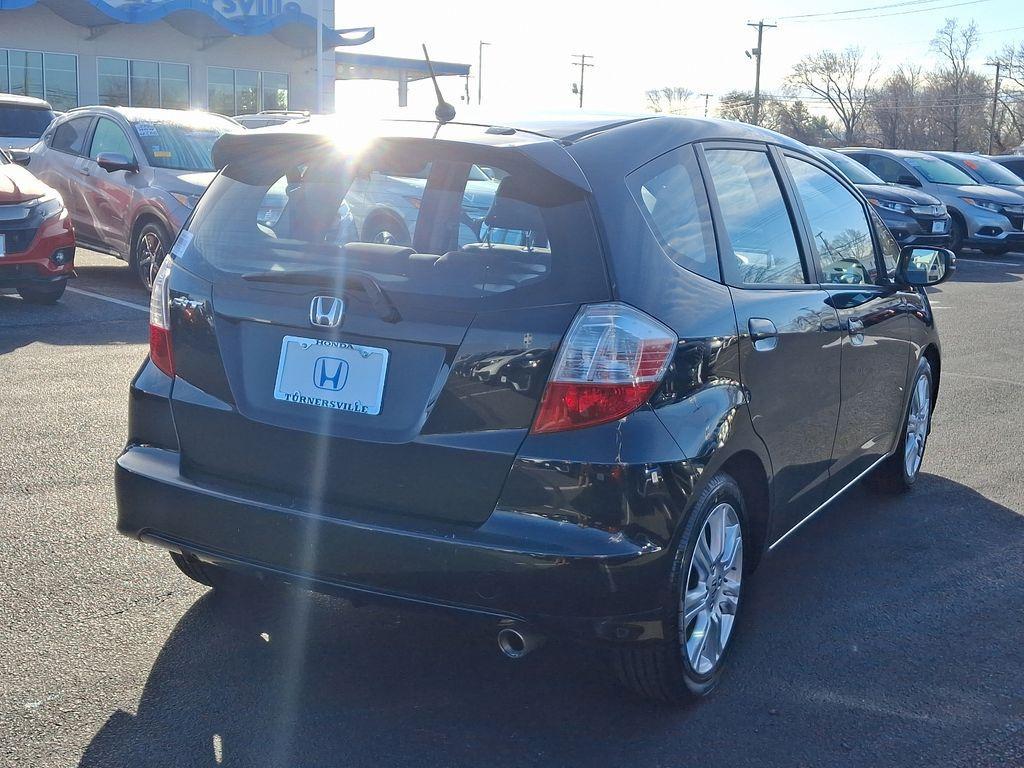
(642, 45)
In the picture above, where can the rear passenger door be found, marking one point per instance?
(872, 313)
(65, 147)
(789, 330)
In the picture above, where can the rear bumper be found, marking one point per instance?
(560, 577)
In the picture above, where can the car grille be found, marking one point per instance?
(17, 240)
(1016, 220)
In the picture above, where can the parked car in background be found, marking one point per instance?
(913, 217)
(269, 117)
(383, 204)
(23, 119)
(984, 217)
(698, 337)
(129, 176)
(984, 171)
(37, 241)
(1013, 163)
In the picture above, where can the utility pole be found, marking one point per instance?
(582, 64)
(995, 103)
(706, 97)
(320, 56)
(756, 55)
(480, 73)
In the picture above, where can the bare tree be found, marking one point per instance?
(954, 44)
(668, 99)
(843, 79)
(896, 105)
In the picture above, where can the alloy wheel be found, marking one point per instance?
(150, 257)
(917, 426)
(712, 591)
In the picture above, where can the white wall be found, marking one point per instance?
(38, 29)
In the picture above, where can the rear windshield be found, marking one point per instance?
(991, 172)
(19, 122)
(939, 171)
(417, 217)
(851, 169)
(182, 144)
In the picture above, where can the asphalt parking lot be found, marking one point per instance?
(889, 632)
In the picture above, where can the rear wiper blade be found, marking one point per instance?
(352, 279)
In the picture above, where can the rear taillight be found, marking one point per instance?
(612, 360)
(160, 350)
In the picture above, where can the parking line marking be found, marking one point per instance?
(111, 299)
(993, 379)
(996, 263)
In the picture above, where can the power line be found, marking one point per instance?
(855, 10)
(887, 15)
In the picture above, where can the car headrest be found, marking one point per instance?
(509, 211)
(391, 257)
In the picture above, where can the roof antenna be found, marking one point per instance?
(444, 112)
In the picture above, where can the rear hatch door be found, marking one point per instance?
(397, 378)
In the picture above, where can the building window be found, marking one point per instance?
(245, 91)
(140, 83)
(50, 76)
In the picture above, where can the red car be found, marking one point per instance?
(37, 241)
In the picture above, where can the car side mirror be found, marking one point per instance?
(921, 266)
(19, 156)
(908, 181)
(115, 161)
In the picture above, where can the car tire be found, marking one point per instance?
(386, 229)
(676, 670)
(899, 472)
(43, 294)
(151, 246)
(957, 233)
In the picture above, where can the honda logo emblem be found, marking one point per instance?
(326, 311)
(330, 373)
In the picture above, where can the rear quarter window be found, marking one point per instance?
(670, 193)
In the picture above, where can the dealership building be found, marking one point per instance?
(228, 56)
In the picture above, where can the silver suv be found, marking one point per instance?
(983, 216)
(129, 177)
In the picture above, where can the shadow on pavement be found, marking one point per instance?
(995, 269)
(846, 630)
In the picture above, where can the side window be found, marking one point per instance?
(839, 226)
(890, 248)
(108, 137)
(671, 195)
(889, 170)
(764, 247)
(70, 136)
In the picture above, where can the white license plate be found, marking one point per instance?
(331, 374)
(938, 227)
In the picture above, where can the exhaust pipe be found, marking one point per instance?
(516, 642)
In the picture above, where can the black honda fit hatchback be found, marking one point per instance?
(580, 397)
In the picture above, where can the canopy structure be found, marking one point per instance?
(366, 66)
(208, 20)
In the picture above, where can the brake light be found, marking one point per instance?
(160, 349)
(612, 360)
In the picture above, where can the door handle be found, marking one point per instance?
(763, 334)
(856, 330)
(83, 171)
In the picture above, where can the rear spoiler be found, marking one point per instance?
(547, 155)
